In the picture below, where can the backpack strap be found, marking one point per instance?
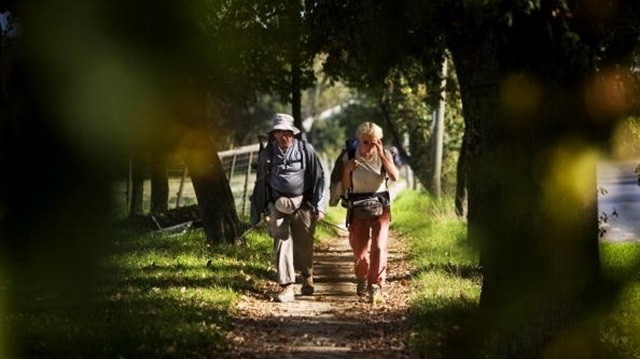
(302, 146)
(269, 152)
(351, 152)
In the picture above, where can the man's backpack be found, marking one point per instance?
(262, 193)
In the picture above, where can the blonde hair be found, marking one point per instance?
(369, 128)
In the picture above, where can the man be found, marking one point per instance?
(289, 188)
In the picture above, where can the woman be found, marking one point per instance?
(364, 179)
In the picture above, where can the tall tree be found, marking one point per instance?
(215, 199)
(528, 73)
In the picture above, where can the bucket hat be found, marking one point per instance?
(282, 121)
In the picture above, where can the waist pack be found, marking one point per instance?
(367, 208)
(288, 205)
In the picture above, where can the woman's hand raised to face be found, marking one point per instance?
(379, 147)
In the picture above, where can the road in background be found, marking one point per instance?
(621, 202)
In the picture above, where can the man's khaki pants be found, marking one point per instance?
(293, 236)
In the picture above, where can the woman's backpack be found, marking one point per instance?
(335, 185)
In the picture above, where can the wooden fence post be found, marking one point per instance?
(246, 184)
(233, 167)
(185, 171)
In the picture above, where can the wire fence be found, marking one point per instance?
(239, 167)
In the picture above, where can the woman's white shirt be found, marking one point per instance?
(368, 176)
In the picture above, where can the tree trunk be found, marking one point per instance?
(293, 45)
(438, 135)
(461, 179)
(137, 187)
(215, 199)
(531, 210)
(159, 184)
(296, 96)
(296, 71)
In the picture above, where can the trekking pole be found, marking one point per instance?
(333, 225)
(241, 239)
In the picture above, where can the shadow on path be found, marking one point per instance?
(333, 323)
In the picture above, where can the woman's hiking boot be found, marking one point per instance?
(285, 294)
(307, 286)
(361, 287)
(375, 293)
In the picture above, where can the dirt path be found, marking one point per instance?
(333, 323)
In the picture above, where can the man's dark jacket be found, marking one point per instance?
(313, 180)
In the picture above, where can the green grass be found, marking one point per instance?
(447, 277)
(448, 282)
(620, 326)
(159, 296)
(168, 296)
(156, 296)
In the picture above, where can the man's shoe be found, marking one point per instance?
(307, 286)
(361, 287)
(375, 294)
(285, 294)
